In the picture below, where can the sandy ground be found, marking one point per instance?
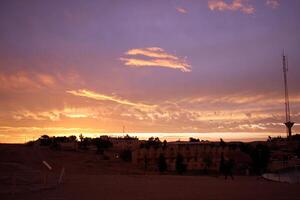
(88, 177)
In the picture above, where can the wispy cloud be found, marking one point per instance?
(158, 63)
(27, 80)
(103, 97)
(235, 5)
(154, 57)
(181, 10)
(37, 116)
(154, 52)
(55, 114)
(24, 80)
(273, 3)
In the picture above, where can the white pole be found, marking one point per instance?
(47, 165)
(62, 173)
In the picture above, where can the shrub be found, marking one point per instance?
(126, 155)
(260, 158)
(180, 166)
(207, 160)
(162, 165)
(102, 144)
(45, 140)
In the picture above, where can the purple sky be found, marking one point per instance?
(180, 66)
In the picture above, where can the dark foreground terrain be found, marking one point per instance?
(87, 176)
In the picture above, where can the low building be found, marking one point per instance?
(195, 156)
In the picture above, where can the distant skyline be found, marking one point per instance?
(163, 67)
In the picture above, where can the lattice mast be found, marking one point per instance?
(288, 122)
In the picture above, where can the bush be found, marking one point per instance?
(298, 151)
(102, 144)
(55, 145)
(30, 143)
(194, 139)
(207, 160)
(180, 166)
(126, 155)
(260, 158)
(162, 165)
(45, 140)
(152, 142)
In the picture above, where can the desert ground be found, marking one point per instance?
(88, 176)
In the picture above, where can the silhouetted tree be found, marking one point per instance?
(152, 142)
(164, 144)
(72, 138)
(228, 168)
(84, 142)
(126, 155)
(296, 137)
(145, 162)
(102, 145)
(207, 160)
(298, 151)
(30, 143)
(246, 148)
(45, 140)
(81, 137)
(180, 166)
(260, 158)
(222, 164)
(222, 143)
(194, 139)
(269, 139)
(232, 146)
(128, 137)
(162, 165)
(55, 143)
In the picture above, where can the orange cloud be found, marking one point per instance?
(181, 10)
(235, 5)
(155, 57)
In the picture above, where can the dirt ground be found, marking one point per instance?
(87, 176)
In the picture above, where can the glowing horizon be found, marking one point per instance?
(169, 137)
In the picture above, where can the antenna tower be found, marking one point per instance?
(288, 122)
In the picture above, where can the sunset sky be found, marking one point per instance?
(168, 68)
